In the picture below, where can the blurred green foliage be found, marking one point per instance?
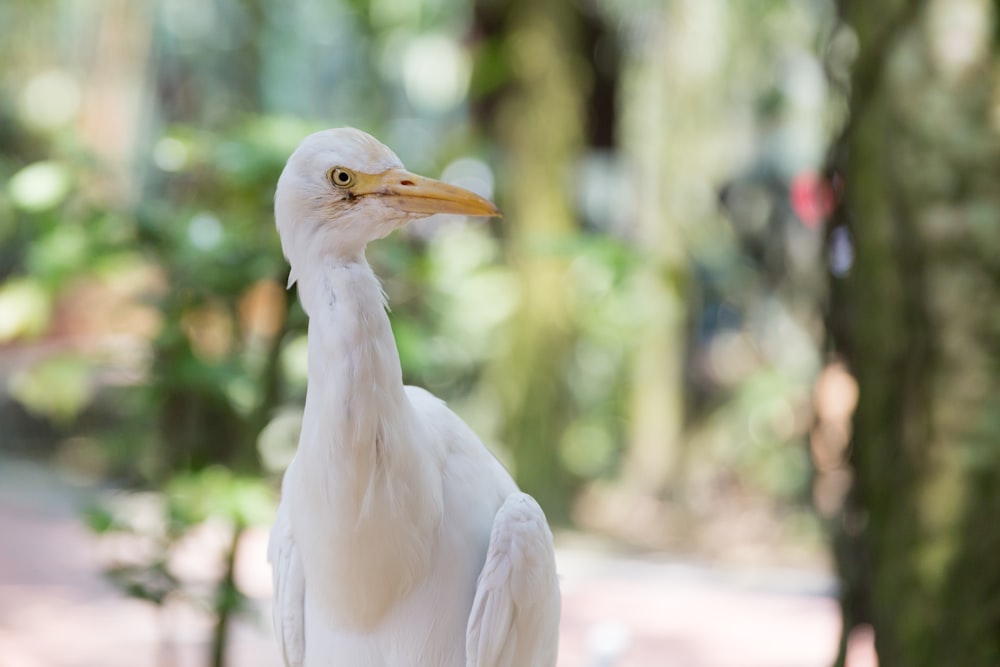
(140, 195)
(146, 535)
(142, 309)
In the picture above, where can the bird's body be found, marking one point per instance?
(400, 540)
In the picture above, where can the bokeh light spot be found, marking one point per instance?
(471, 174)
(50, 100)
(436, 73)
(170, 154)
(40, 186)
(205, 231)
(959, 33)
(25, 309)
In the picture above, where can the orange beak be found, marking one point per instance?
(405, 191)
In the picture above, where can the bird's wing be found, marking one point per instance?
(289, 590)
(515, 614)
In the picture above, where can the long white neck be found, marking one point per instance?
(355, 393)
(359, 463)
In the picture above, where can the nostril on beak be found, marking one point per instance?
(407, 183)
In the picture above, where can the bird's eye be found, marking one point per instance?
(341, 177)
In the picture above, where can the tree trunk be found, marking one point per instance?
(541, 130)
(916, 320)
(667, 130)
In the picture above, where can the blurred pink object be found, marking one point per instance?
(812, 198)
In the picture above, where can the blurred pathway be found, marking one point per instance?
(56, 611)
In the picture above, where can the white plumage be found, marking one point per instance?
(400, 540)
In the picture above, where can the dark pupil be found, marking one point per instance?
(342, 177)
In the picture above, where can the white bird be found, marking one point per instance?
(400, 540)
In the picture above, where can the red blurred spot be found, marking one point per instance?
(811, 197)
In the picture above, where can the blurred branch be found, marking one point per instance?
(227, 600)
(868, 73)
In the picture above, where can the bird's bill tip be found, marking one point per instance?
(411, 193)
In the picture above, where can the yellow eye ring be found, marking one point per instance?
(340, 177)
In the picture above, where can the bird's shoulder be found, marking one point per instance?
(440, 422)
(454, 438)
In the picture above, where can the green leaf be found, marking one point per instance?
(99, 519)
(25, 309)
(58, 388)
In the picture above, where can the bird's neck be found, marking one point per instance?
(355, 379)
(362, 491)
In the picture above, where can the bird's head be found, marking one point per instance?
(342, 188)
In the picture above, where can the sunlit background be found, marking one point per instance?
(643, 338)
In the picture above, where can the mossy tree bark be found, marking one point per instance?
(916, 320)
(540, 123)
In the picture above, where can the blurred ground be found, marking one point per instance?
(56, 611)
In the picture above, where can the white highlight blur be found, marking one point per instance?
(959, 32)
(50, 100)
(436, 73)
